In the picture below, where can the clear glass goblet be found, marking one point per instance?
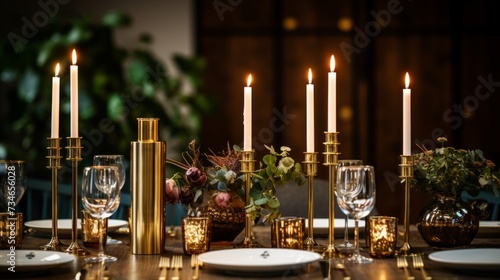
(355, 190)
(113, 160)
(347, 247)
(119, 162)
(100, 198)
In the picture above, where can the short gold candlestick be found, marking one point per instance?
(74, 155)
(331, 160)
(54, 164)
(407, 164)
(311, 169)
(248, 167)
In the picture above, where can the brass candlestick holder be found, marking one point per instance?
(407, 164)
(331, 160)
(54, 164)
(248, 167)
(311, 168)
(74, 155)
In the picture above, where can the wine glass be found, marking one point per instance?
(100, 198)
(12, 183)
(119, 162)
(355, 190)
(113, 160)
(346, 247)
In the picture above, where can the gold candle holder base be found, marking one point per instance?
(74, 149)
(54, 164)
(311, 168)
(331, 160)
(406, 171)
(248, 166)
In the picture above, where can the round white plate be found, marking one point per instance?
(321, 226)
(33, 260)
(64, 226)
(489, 229)
(482, 260)
(258, 260)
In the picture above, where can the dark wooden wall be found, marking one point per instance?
(449, 48)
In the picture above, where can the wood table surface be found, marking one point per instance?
(145, 267)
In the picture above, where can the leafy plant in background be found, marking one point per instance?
(447, 170)
(116, 86)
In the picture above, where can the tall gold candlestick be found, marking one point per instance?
(54, 164)
(74, 155)
(311, 169)
(248, 167)
(331, 160)
(407, 164)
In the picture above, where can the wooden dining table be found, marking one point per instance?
(145, 267)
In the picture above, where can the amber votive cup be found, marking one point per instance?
(196, 234)
(382, 235)
(11, 230)
(288, 232)
(91, 231)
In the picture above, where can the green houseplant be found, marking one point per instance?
(116, 85)
(445, 173)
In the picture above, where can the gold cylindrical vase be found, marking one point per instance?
(147, 180)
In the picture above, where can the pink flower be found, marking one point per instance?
(171, 192)
(195, 177)
(222, 200)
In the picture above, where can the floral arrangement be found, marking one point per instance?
(451, 171)
(222, 175)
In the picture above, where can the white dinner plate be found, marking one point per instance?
(258, 260)
(64, 226)
(489, 229)
(480, 260)
(321, 226)
(32, 260)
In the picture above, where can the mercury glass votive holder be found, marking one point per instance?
(11, 230)
(196, 233)
(91, 230)
(382, 236)
(288, 232)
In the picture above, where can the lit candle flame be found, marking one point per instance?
(74, 56)
(310, 75)
(57, 69)
(407, 80)
(249, 80)
(332, 64)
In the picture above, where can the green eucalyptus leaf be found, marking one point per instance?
(273, 202)
(261, 201)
